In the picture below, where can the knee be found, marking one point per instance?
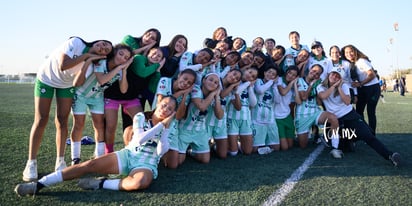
(142, 182)
(204, 159)
(62, 120)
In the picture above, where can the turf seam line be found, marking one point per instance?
(277, 197)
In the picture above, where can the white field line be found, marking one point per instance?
(277, 197)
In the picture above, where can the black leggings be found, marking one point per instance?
(368, 96)
(354, 122)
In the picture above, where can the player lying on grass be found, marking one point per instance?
(138, 160)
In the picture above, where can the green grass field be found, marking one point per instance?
(360, 178)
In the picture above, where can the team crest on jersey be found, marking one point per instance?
(244, 95)
(223, 102)
(267, 97)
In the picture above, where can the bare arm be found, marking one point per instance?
(284, 91)
(80, 77)
(219, 113)
(103, 78)
(298, 100)
(203, 104)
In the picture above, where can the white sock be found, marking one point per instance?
(233, 153)
(52, 179)
(60, 159)
(112, 184)
(75, 149)
(31, 162)
(99, 150)
(335, 141)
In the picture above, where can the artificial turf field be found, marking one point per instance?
(360, 178)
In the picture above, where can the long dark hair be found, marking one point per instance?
(231, 52)
(118, 47)
(358, 53)
(158, 37)
(90, 44)
(171, 45)
(149, 114)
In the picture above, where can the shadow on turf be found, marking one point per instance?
(244, 173)
(248, 173)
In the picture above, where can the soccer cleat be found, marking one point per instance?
(76, 161)
(89, 183)
(26, 189)
(395, 158)
(30, 172)
(60, 165)
(336, 153)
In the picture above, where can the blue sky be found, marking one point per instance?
(32, 29)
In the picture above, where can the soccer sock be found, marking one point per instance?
(51, 179)
(335, 141)
(75, 149)
(112, 184)
(99, 150)
(31, 162)
(60, 159)
(233, 153)
(109, 148)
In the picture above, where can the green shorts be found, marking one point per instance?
(174, 135)
(45, 91)
(198, 141)
(239, 127)
(127, 163)
(81, 103)
(286, 127)
(217, 132)
(265, 134)
(304, 124)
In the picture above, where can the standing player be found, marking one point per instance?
(57, 74)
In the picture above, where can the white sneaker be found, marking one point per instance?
(336, 153)
(60, 165)
(264, 150)
(30, 171)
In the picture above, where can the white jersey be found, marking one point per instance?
(146, 137)
(309, 106)
(186, 62)
(211, 117)
(244, 113)
(364, 66)
(324, 62)
(165, 88)
(294, 52)
(264, 111)
(282, 105)
(91, 87)
(345, 66)
(196, 119)
(334, 104)
(49, 72)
